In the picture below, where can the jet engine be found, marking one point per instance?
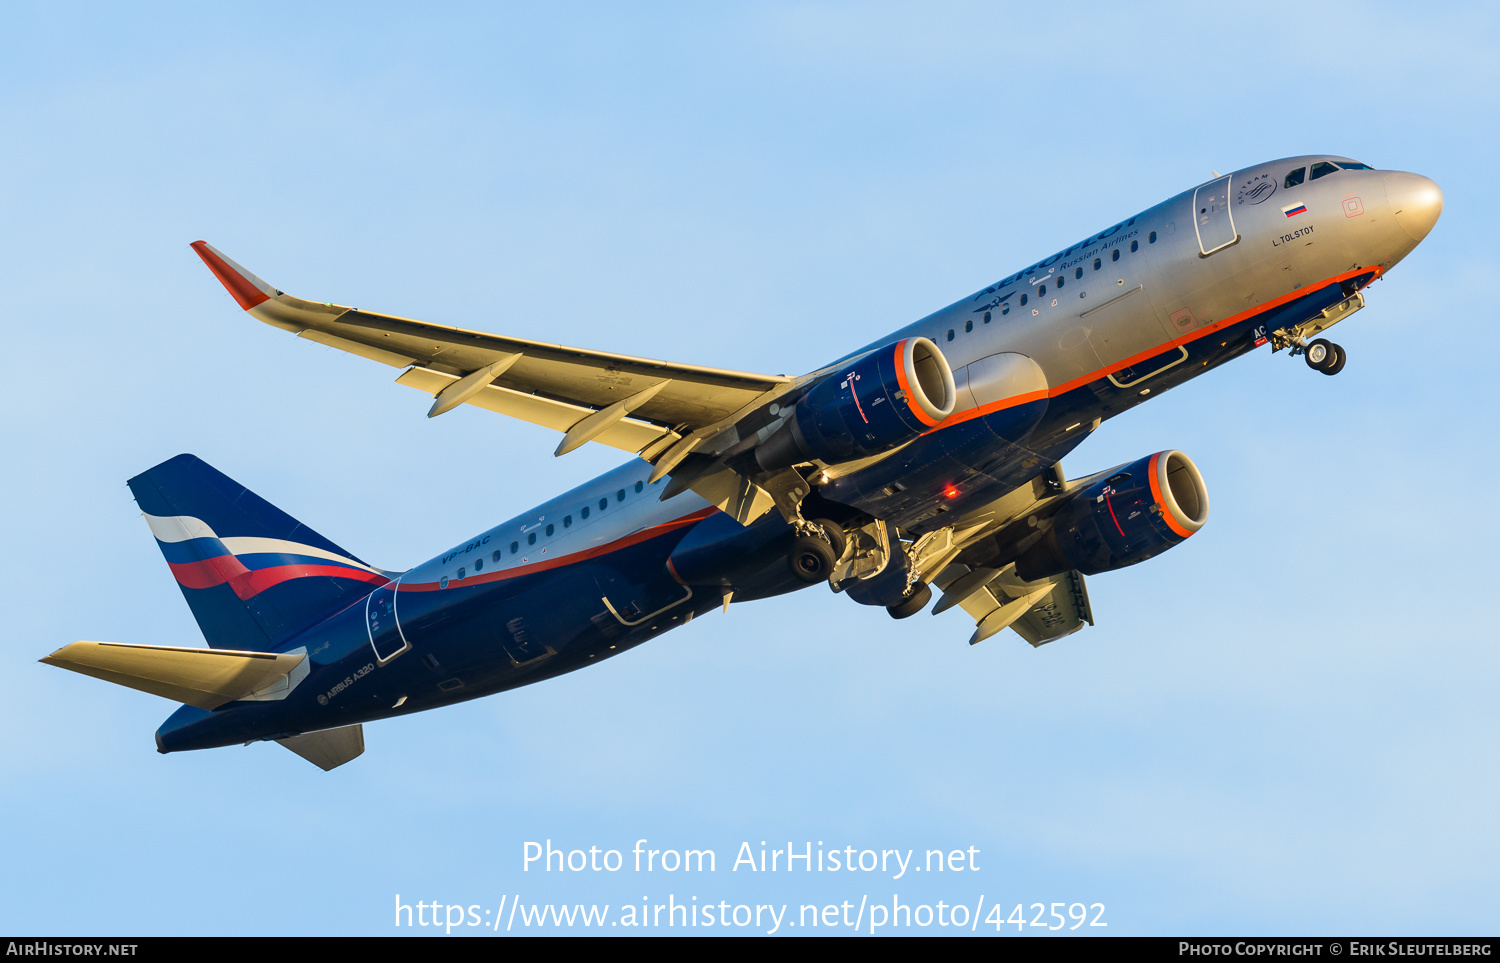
(869, 406)
(1137, 511)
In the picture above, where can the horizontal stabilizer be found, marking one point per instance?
(330, 748)
(206, 678)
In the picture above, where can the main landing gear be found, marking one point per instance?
(1325, 356)
(815, 551)
(913, 604)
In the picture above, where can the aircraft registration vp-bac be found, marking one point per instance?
(928, 457)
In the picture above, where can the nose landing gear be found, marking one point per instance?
(1325, 356)
(1321, 354)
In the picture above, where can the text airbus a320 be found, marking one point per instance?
(929, 457)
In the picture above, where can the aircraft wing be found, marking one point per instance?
(658, 409)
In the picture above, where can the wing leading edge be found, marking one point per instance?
(634, 404)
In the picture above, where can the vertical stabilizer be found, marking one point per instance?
(252, 574)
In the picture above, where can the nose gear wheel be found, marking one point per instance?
(1325, 356)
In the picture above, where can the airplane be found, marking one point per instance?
(928, 457)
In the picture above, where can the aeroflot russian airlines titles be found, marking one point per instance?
(928, 457)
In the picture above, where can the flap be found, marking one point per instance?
(1040, 612)
(629, 434)
(1060, 611)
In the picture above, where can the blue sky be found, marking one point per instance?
(1287, 725)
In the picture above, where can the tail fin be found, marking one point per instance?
(252, 574)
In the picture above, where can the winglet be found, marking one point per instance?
(246, 288)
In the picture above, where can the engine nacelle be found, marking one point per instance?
(874, 404)
(1139, 510)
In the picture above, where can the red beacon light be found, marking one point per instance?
(950, 491)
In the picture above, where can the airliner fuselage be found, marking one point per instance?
(1272, 254)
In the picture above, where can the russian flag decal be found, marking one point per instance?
(1292, 210)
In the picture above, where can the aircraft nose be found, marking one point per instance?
(1416, 201)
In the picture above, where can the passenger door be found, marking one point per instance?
(386, 637)
(1212, 217)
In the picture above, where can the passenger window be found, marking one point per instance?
(1023, 299)
(1151, 238)
(969, 326)
(1004, 309)
(1078, 273)
(496, 557)
(460, 573)
(443, 582)
(550, 529)
(531, 539)
(1041, 292)
(1060, 280)
(986, 317)
(1295, 177)
(1130, 223)
(950, 334)
(603, 504)
(1322, 169)
(479, 565)
(1097, 264)
(1114, 255)
(567, 521)
(620, 495)
(515, 548)
(639, 486)
(1135, 246)
(585, 512)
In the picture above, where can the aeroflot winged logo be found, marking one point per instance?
(201, 559)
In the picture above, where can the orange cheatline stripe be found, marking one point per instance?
(1166, 513)
(564, 560)
(959, 417)
(1211, 329)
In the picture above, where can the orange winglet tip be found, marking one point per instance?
(245, 287)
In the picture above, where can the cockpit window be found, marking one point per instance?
(1354, 166)
(1323, 169)
(1295, 177)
